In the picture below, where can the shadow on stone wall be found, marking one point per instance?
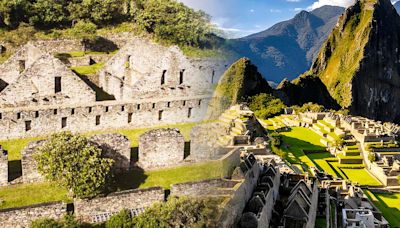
(101, 95)
(100, 44)
(187, 150)
(14, 170)
(129, 180)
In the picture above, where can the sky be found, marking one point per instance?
(239, 18)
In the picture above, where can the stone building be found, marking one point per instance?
(46, 81)
(161, 148)
(148, 70)
(117, 147)
(30, 171)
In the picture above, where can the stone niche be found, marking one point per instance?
(117, 147)
(161, 148)
(3, 167)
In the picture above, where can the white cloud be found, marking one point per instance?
(275, 11)
(293, 0)
(320, 3)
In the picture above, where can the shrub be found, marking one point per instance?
(46, 223)
(122, 219)
(371, 157)
(84, 30)
(75, 163)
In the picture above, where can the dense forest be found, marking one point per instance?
(166, 20)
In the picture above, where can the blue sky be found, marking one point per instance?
(243, 17)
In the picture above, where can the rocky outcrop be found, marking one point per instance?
(305, 89)
(240, 81)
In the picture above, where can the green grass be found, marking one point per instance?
(28, 194)
(88, 70)
(388, 204)
(361, 176)
(320, 223)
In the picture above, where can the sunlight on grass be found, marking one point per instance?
(28, 194)
(88, 70)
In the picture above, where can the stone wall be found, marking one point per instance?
(44, 120)
(161, 148)
(3, 168)
(30, 171)
(100, 209)
(117, 147)
(22, 217)
(212, 187)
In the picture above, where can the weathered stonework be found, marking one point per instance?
(148, 70)
(30, 171)
(117, 147)
(161, 148)
(100, 209)
(22, 217)
(3, 167)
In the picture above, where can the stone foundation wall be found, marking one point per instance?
(23, 217)
(211, 187)
(93, 210)
(161, 148)
(30, 171)
(117, 147)
(44, 120)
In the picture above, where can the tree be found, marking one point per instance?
(266, 106)
(122, 219)
(49, 13)
(46, 223)
(84, 30)
(72, 161)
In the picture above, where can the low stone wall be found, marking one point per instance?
(3, 168)
(117, 147)
(30, 172)
(230, 161)
(102, 208)
(213, 187)
(22, 217)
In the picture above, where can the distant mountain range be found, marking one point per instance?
(288, 48)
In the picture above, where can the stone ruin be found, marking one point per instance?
(114, 146)
(161, 148)
(3, 167)
(117, 147)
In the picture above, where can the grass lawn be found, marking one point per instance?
(15, 146)
(361, 176)
(28, 194)
(88, 70)
(388, 204)
(298, 139)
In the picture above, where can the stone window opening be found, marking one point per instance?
(21, 65)
(130, 117)
(1, 116)
(212, 77)
(55, 111)
(181, 76)
(36, 114)
(18, 115)
(200, 102)
(128, 62)
(64, 122)
(154, 105)
(123, 108)
(98, 120)
(160, 115)
(163, 77)
(107, 109)
(184, 103)
(138, 107)
(90, 110)
(189, 112)
(168, 104)
(73, 111)
(57, 84)
(28, 125)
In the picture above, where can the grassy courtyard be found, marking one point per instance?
(28, 194)
(388, 204)
(298, 139)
